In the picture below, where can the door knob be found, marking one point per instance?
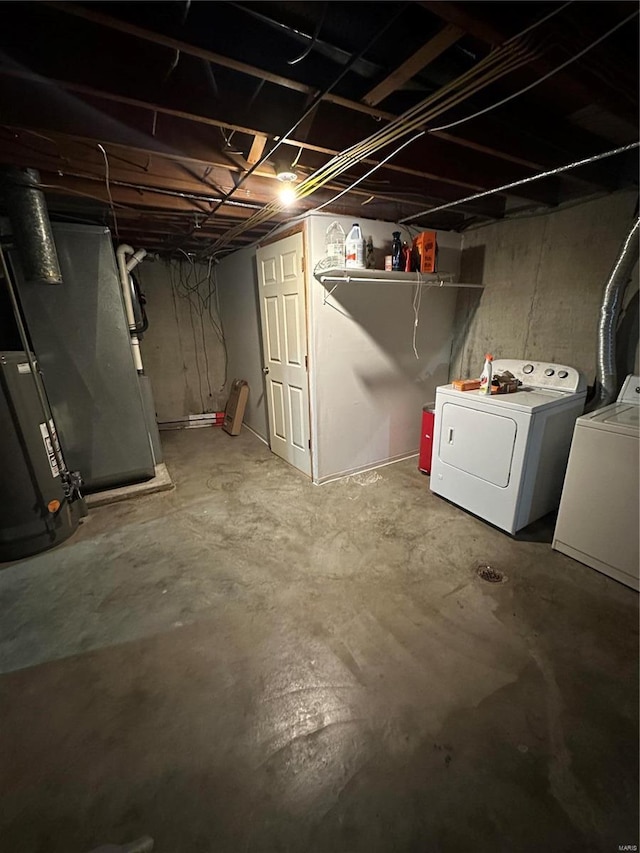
(265, 370)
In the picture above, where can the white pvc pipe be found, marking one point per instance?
(135, 260)
(121, 252)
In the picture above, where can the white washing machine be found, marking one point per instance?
(503, 457)
(599, 510)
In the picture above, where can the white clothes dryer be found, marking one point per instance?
(504, 457)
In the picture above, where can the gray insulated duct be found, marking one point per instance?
(609, 313)
(27, 210)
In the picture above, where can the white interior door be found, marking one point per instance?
(284, 339)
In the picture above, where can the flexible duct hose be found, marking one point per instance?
(611, 302)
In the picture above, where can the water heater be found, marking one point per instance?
(35, 511)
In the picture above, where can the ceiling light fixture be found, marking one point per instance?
(287, 192)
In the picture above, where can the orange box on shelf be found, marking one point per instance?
(426, 246)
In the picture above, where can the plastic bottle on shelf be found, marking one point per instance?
(486, 375)
(396, 253)
(334, 243)
(354, 248)
(370, 260)
(406, 257)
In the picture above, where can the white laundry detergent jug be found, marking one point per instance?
(354, 249)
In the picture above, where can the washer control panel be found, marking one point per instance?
(542, 374)
(630, 392)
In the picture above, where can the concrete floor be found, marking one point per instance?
(252, 663)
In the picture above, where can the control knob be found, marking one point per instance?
(549, 371)
(562, 374)
(528, 368)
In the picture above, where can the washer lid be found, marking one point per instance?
(625, 417)
(617, 417)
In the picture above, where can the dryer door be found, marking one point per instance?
(478, 443)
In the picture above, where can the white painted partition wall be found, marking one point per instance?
(367, 387)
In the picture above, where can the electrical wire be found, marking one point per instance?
(536, 82)
(540, 21)
(297, 158)
(417, 299)
(314, 38)
(106, 178)
(549, 173)
(499, 62)
(312, 106)
(366, 175)
(200, 293)
(503, 60)
(173, 66)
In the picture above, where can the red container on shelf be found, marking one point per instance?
(426, 438)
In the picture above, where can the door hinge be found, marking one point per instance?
(306, 362)
(302, 263)
(309, 444)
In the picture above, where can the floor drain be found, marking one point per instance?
(489, 574)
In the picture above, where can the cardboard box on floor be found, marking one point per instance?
(234, 413)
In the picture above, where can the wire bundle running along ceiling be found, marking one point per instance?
(514, 54)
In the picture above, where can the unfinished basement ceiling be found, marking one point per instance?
(167, 114)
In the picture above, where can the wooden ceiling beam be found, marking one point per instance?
(424, 56)
(158, 110)
(155, 109)
(133, 197)
(173, 139)
(458, 16)
(202, 53)
(257, 149)
(11, 152)
(85, 161)
(564, 84)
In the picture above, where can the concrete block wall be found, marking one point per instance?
(544, 278)
(181, 351)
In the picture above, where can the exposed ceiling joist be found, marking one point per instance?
(185, 114)
(461, 16)
(175, 139)
(136, 197)
(208, 55)
(257, 149)
(410, 67)
(536, 147)
(565, 84)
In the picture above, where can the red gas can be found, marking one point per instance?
(426, 438)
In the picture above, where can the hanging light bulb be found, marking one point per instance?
(287, 191)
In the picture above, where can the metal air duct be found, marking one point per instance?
(609, 312)
(27, 211)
